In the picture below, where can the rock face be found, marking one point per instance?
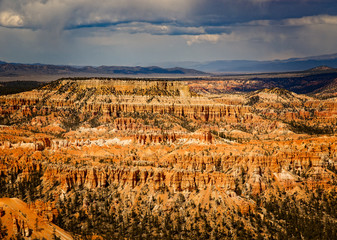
(120, 97)
(23, 222)
(96, 149)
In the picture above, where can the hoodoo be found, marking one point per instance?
(113, 159)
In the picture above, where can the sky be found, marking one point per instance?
(150, 32)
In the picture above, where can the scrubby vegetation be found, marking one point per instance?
(299, 127)
(18, 86)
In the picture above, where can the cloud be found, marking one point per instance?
(10, 19)
(72, 14)
(303, 21)
(87, 31)
(310, 20)
(258, 30)
(230, 12)
(211, 38)
(164, 16)
(155, 29)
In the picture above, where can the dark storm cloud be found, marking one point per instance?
(59, 30)
(86, 13)
(229, 12)
(68, 14)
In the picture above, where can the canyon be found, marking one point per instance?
(177, 159)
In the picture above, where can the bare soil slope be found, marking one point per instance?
(19, 218)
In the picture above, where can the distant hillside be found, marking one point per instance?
(304, 82)
(298, 82)
(327, 91)
(301, 82)
(275, 94)
(17, 69)
(231, 66)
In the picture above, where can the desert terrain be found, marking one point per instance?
(216, 158)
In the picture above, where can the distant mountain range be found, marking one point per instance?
(251, 66)
(18, 69)
(185, 68)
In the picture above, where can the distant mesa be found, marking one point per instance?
(111, 86)
(321, 68)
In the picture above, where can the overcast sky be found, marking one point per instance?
(146, 32)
